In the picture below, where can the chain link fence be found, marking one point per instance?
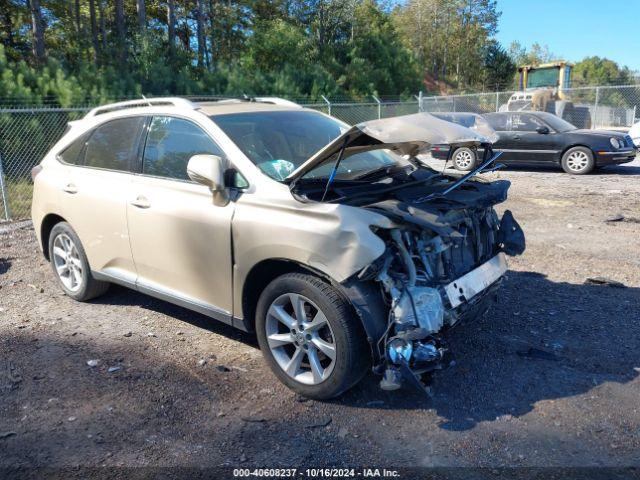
(26, 134)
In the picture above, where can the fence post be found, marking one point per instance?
(379, 105)
(595, 109)
(420, 101)
(497, 101)
(5, 194)
(328, 104)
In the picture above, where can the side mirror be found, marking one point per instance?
(542, 130)
(209, 170)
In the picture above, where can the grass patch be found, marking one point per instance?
(19, 194)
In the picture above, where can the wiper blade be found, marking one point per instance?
(473, 173)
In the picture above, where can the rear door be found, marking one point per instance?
(500, 122)
(181, 241)
(95, 191)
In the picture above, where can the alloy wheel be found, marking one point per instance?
(67, 262)
(300, 339)
(577, 161)
(463, 159)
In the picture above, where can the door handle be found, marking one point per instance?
(141, 202)
(516, 137)
(70, 188)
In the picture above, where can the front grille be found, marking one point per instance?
(628, 141)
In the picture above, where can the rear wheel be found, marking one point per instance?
(310, 337)
(578, 161)
(70, 264)
(464, 159)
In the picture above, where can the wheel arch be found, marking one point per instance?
(263, 273)
(48, 222)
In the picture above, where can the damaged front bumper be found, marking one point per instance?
(432, 279)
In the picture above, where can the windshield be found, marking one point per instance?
(278, 142)
(557, 123)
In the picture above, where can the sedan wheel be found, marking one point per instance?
(300, 339)
(464, 159)
(578, 161)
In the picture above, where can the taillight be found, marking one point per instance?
(35, 171)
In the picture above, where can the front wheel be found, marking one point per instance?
(310, 336)
(464, 159)
(578, 161)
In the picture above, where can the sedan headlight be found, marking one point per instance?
(615, 142)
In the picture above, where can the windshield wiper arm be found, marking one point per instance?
(473, 173)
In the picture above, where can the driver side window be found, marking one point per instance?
(522, 122)
(171, 142)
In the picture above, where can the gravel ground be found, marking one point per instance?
(548, 378)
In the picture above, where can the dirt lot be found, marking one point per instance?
(548, 378)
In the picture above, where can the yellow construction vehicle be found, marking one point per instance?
(544, 88)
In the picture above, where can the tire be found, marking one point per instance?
(289, 344)
(578, 161)
(70, 265)
(464, 159)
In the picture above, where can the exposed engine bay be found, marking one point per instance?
(443, 262)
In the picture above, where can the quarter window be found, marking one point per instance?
(113, 145)
(71, 154)
(171, 142)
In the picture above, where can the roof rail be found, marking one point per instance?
(143, 102)
(276, 101)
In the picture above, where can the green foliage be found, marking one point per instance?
(600, 71)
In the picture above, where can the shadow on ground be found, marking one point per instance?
(543, 340)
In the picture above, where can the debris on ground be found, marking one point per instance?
(539, 354)
(93, 363)
(114, 369)
(615, 218)
(604, 281)
(320, 422)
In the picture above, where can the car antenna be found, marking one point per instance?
(335, 168)
(145, 98)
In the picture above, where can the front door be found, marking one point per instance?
(527, 144)
(181, 241)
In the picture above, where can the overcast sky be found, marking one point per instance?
(574, 29)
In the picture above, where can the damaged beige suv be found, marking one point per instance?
(334, 244)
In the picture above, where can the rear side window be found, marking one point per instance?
(171, 142)
(521, 122)
(114, 145)
(71, 154)
(497, 122)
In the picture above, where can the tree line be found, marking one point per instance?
(74, 51)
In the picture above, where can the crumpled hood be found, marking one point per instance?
(406, 135)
